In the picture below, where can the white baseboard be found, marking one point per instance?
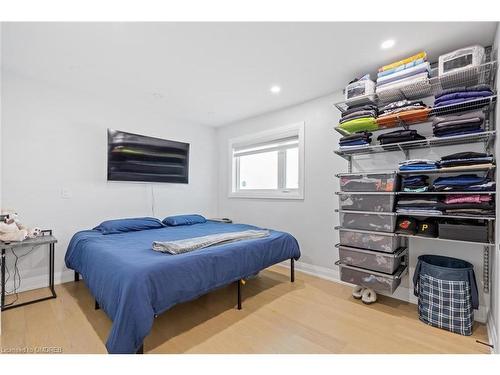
(492, 333)
(36, 282)
(401, 293)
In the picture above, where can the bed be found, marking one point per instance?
(133, 284)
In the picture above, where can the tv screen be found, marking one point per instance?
(133, 157)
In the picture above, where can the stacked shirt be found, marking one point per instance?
(465, 182)
(466, 159)
(355, 140)
(467, 123)
(399, 136)
(418, 164)
(419, 205)
(416, 184)
(359, 118)
(462, 94)
(403, 110)
(411, 70)
(468, 204)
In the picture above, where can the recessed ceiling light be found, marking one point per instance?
(275, 89)
(389, 43)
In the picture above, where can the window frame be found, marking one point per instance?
(293, 130)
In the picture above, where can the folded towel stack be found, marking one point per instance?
(462, 94)
(359, 118)
(415, 184)
(357, 139)
(399, 136)
(467, 159)
(465, 182)
(418, 164)
(403, 110)
(467, 123)
(413, 69)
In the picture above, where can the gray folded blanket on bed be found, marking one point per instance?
(190, 244)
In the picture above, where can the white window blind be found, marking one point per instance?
(268, 165)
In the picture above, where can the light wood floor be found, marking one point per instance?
(310, 316)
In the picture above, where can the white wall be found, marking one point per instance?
(55, 138)
(312, 220)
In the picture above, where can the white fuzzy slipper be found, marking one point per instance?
(369, 296)
(357, 292)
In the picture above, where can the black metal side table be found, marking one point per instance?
(45, 239)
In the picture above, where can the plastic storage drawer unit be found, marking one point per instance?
(367, 202)
(379, 222)
(464, 232)
(378, 281)
(372, 260)
(386, 242)
(387, 182)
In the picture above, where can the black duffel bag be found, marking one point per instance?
(447, 293)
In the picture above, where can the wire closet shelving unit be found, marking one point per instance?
(417, 90)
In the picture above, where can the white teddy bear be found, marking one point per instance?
(11, 229)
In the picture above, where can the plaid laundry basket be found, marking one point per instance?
(447, 293)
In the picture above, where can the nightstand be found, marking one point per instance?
(45, 239)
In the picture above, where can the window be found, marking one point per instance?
(268, 164)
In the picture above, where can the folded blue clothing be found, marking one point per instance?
(463, 94)
(358, 142)
(461, 180)
(456, 101)
(463, 132)
(414, 179)
(417, 167)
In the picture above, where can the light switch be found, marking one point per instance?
(66, 193)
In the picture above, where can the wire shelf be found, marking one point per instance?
(413, 193)
(419, 89)
(486, 136)
(444, 216)
(421, 171)
(416, 236)
(469, 105)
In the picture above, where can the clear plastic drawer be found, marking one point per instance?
(367, 202)
(372, 260)
(387, 182)
(378, 281)
(386, 242)
(379, 222)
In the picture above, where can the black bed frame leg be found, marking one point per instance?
(239, 294)
(77, 276)
(140, 350)
(96, 306)
(292, 270)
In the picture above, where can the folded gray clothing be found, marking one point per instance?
(341, 121)
(366, 107)
(190, 244)
(464, 118)
(362, 135)
(359, 114)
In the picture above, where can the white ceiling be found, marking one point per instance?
(218, 73)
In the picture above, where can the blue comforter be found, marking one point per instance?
(132, 282)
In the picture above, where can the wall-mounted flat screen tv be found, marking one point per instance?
(134, 157)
